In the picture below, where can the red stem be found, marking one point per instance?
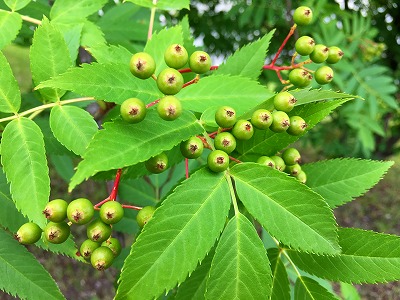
(283, 44)
(114, 191)
(188, 70)
(132, 207)
(96, 206)
(152, 103)
(194, 80)
(187, 168)
(234, 159)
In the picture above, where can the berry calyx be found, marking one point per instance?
(243, 130)
(57, 233)
(142, 65)
(266, 161)
(261, 119)
(133, 110)
(323, 75)
(291, 156)
(335, 54)
(297, 126)
(97, 231)
(300, 78)
(293, 170)
(176, 56)
(28, 233)
(111, 212)
(87, 248)
(319, 54)
(102, 258)
(284, 101)
(144, 215)
(169, 108)
(56, 210)
(225, 116)
(218, 161)
(280, 121)
(304, 45)
(80, 211)
(114, 245)
(302, 15)
(279, 162)
(200, 62)
(192, 148)
(169, 81)
(225, 141)
(302, 177)
(157, 164)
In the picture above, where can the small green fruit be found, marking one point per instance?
(243, 130)
(176, 56)
(80, 211)
(170, 81)
(293, 170)
(323, 75)
(114, 245)
(261, 119)
(199, 62)
(300, 78)
(335, 54)
(291, 156)
(279, 162)
(142, 65)
(225, 141)
(87, 248)
(218, 161)
(28, 233)
(111, 212)
(133, 110)
(319, 54)
(284, 101)
(225, 117)
(157, 164)
(57, 233)
(56, 210)
(98, 231)
(102, 258)
(192, 148)
(304, 45)
(144, 215)
(169, 108)
(302, 177)
(266, 161)
(280, 121)
(302, 15)
(297, 125)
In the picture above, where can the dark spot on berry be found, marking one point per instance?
(171, 80)
(17, 237)
(307, 12)
(161, 166)
(77, 216)
(285, 123)
(140, 65)
(270, 164)
(341, 53)
(326, 49)
(203, 58)
(86, 253)
(134, 111)
(193, 148)
(230, 113)
(329, 76)
(46, 213)
(311, 42)
(265, 117)
(96, 236)
(220, 160)
(304, 125)
(226, 143)
(248, 127)
(100, 266)
(53, 235)
(171, 110)
(110, 215)
(178, 48)
(292, 100)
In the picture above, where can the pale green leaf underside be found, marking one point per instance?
(108, 82)
(247, 61)
(10, 96)
(163, 4)
(15, 5)
(341, 180)
(367, 257)
(22, 274)
(287, 209)
(280, 280)
(181, 232)
(10, 24)
(240, 267)
(69, 11)
(73, 127)
(121, 144)
(24, 162)
(308, 289)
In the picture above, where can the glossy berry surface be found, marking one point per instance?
(300, 78)
(176, 56)
(111, 212)
(284, 101)
(102, 258)
(80, 211)
(169, 108)
(304, 45)
(56, 210)
(218, 161)
(28, 233)
(97, 231)
(291, 156)
(114, 245)
(157, 164)
(302, 15)
(243, 130)
(225, 116)
(192, 148)
(319, 54)
(335, 54)
(279, 162)
(57, 233)
(302, 177)
(266, 161)
(87, 248)
(169, 81)
(261, 119)
(225, 141)
(200, 62)
(133, 110)
(144, 215)
(323, 75)
(297, 125)
(293, 170)
(280, 121)
(142, 65)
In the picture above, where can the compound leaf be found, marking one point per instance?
(280, 280)
(304, 96)
(15, 5)
(308, 289)
(163, 4)
(10, 96)
(10, 24)
(70, 11)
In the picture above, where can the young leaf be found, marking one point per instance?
(110, 54)
(10, 24)
(73, 127)
(179, 235)
(247, 61)
(341, 180)
(108, 82)
(163, 4)
(367, 257)
(49, 57)
(91, 34)
(121, 144)
(72, 36)
(15, 5)
(10, 96)
(24, 161)
(287, 209)
(280, 280)
(22, 274)
(240, 267)
(71, 11)
(308, 289)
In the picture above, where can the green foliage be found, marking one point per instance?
(10, 24)
(308, 289)
(10, 97)
(280, 282)
(70, 10)
(15, 5)
(163, 4)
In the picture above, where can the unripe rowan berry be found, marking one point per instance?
(176, 56)
(243, 130)
(319, 54)
(111, 212)
(199, 62)
(291, 156)
(323, 75)
(280, 121)
(114, 245)
(266, 161)
(225, 117)
(80, 211)
(142, 65)
(56, 210)
(144, 215)
(169, 108)
(87, 248)
(170, 81)
(304, 45)
(218, 161)
(335, 54)
(279, 162)
(297, 126)
(225, 141)
(57, 233)
(284, 101)
(98, 231)
(192, 148)
(157, 164)
(102, 258)
(133, 110)
(302, 15)
(28, 233)
(261, 119)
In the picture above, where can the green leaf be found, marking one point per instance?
(247, 61)
(10, 96)
(49, 57)
(308, 289)
(22, 275)
(73, 127)
(341, 180)
(280, 281)
(287, 209)
(24, 162)
(15, 5)
(72, 36)
(108, 82)
(179, 235)
(367, 257)
(349, 292)
(121, 144)
(71, 11)
(304, 96)
(163, 4)
(10, 24)
(91, 34)
(110, 54)
(240, 267)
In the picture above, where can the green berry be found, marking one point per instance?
(111, 212)
(169, 108)
(144, 215)
(302, 177)
(297, 125)
(261, 119)
(199, 62)
(319, 54)
(97, 231)
(176, 56)
(293, 170)
(102, 258)
(87, 248)
(266, 161)
(300, 78)
(80, 211)
(291, 156)
(225, 141)
(218, 161)
(243, 130)
(302, 15)
(114, 245)
(142, 65)
(133, 110)
(28, 233)
(323, 75)
(192, 148)
(304, 45)
(280, 121)
(57, 233)
(157, 164)
(56, 210)
(169, 81)
(284, 101)
(335, 54)
(279, 162)
(225, 117)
